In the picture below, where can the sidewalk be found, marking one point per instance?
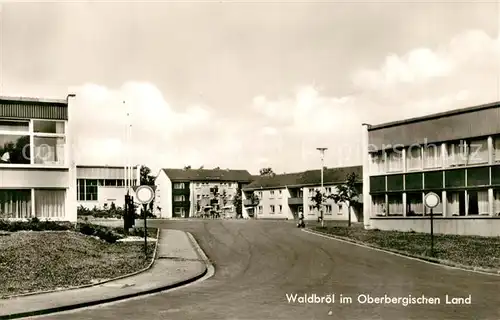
(177, 263)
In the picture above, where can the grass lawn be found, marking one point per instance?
(42, 260)
(483, 252)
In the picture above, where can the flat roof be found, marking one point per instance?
(435, 116)
(33, 99)
(103, 167)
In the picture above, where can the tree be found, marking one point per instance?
(187, 167)
(318, 199)
(149, 180)
(237, 199)
(267, 172)
(217, 168)
(347, 193)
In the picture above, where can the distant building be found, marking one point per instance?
(37, 171)
(455, 154)
(285, 196)
(99, 186)
(183, 193)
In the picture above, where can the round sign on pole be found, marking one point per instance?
(144, 194)
(431, 200)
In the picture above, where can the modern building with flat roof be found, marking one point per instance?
(37, 170)
(455, 154)
(100, 186)
(286, 196)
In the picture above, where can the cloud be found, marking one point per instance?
(285, 132)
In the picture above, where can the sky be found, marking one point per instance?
(246, 85)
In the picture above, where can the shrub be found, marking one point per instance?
(102, 232)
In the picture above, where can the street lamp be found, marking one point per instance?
(322, 152)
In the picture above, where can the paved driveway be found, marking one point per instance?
(259, 262)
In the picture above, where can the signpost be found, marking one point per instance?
(431, 201)
(145, 195)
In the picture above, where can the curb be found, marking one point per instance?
(97, 283)
(435, 261)
(112, 299)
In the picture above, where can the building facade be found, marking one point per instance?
(286, 196)
(99, 186)
(37, 169)
(455, 154)
(184, 193)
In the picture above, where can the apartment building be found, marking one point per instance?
(37, 171)
(455, 154)
(286, 196)
(183, 193)
(99, 186)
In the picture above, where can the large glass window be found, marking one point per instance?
(15, 203)
(377, 162)
(496, 202)
(395, 160)
(496, 149)
(80, 189)
(48, 142)
(378, 205)
(432, 156)
(414, 204)
(49, 150)
(50, 203)
(414, 158)
(179, 198)
(14, 142)
(438, 210)
(478, 202)
(478, 151)
(456, 154)
(455, 205)
(91, 190)
(395, 204)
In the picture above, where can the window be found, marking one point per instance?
(377, 162)
(414, 158)
(339, 207)
(49, 142)
(80, 189)
(15, 203)
(179, 211)
(478, 202)
(272, 208)
(120, 182)
(329, 190)
(179, 198)
(311, 210)
(496, 149)
(395, 204)
(414, 204)
(179, 185)
(50, 203)
(478, 151)
(394, 160)
(455, 205)
(260, 209)
(437, 211)
(281, 209)
(260, 194)
(15, 142)
(378, 205)
(432, 156)
(47, 126)
(272, 193)
(328, 209)
(456, 154)
(198, 196)
(197, 184)
(496, 202)
(91, 190)
(110, 182)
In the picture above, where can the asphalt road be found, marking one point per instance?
(259, 262)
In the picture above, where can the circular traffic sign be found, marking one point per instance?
(144, 194)
(431, 200)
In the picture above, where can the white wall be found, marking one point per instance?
(276, 197)
(163, 197)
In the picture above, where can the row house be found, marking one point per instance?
(286, 196)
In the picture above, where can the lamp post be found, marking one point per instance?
(322, 152)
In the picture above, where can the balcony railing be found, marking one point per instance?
(295, 201)
(250, 202)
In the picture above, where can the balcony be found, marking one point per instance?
(295, 201)
(250, 203)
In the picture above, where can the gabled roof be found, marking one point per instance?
(208, 175)
(310, 177)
